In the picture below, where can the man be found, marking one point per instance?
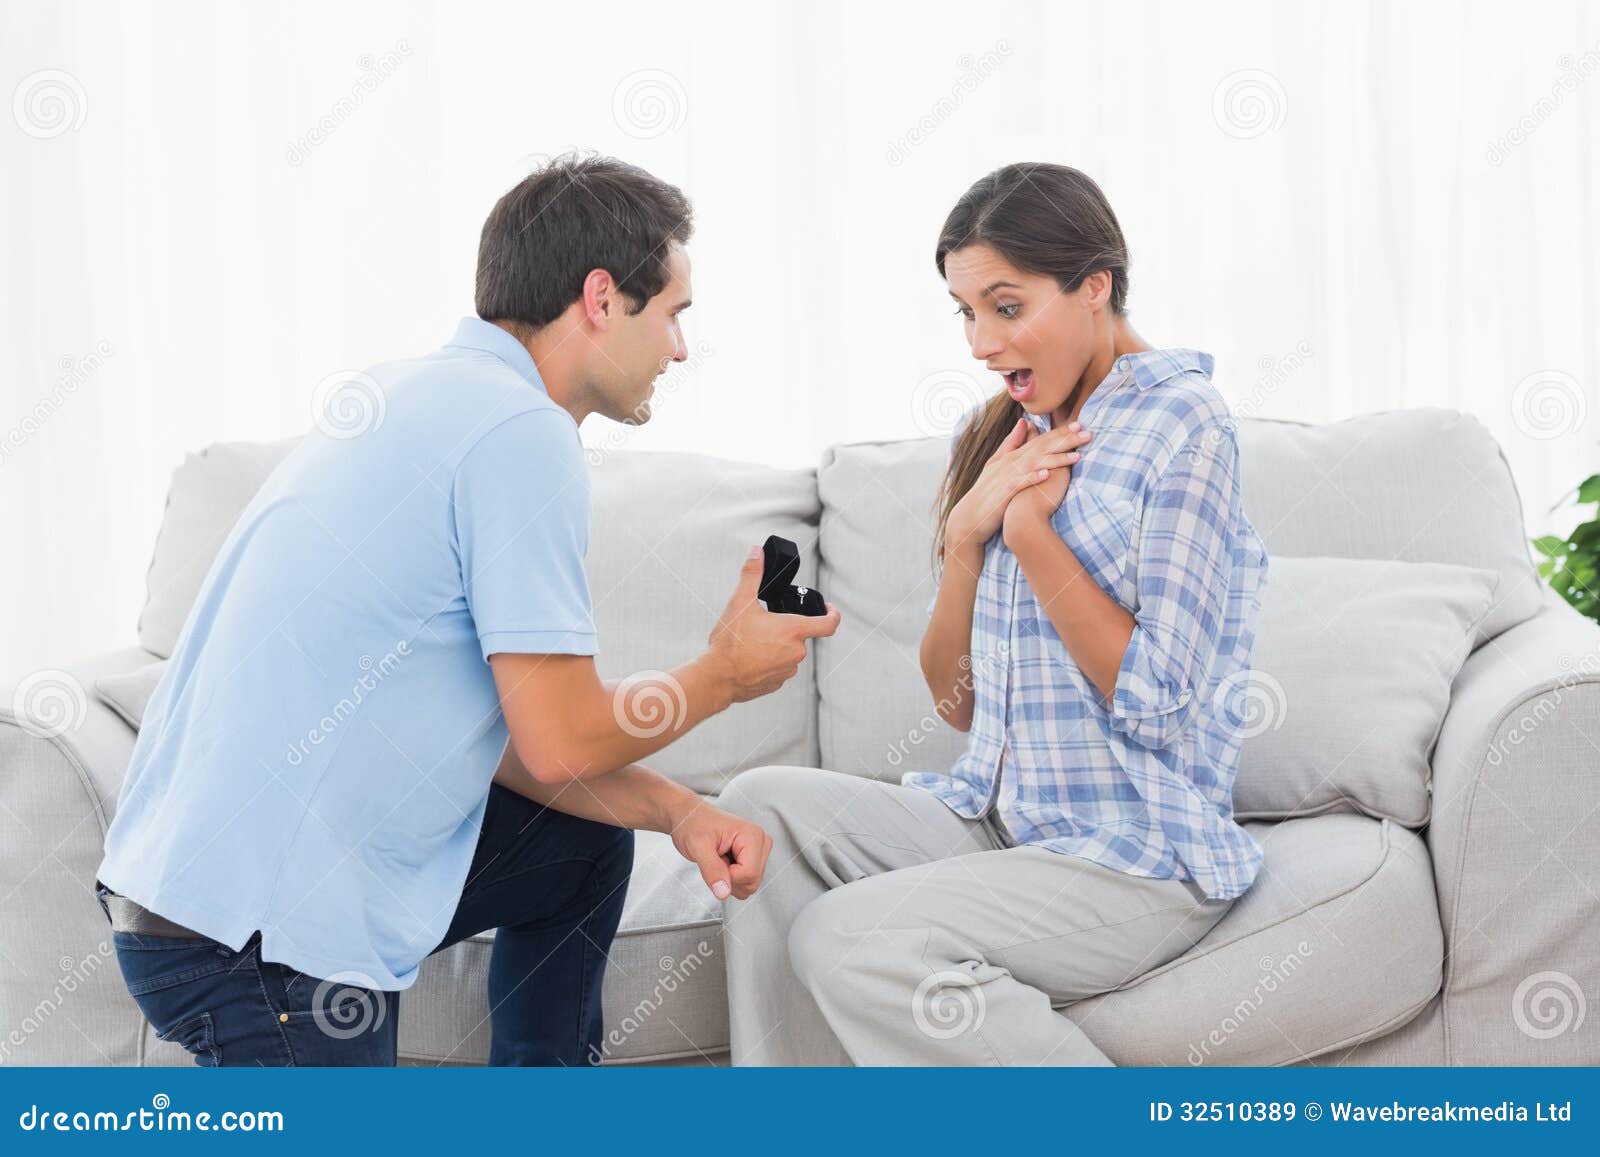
(382, 730)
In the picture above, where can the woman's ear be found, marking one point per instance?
(1097, 287)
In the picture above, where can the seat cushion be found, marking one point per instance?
(666, 993)
(1338, 941)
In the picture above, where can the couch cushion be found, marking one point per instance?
(666, 993)
(1349, 683)
(876, 717)
(129, 693)
(1420, 485)
(208, 493)
(1426, 485)
(1338, 941)
(668, 533)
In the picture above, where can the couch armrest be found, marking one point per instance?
(1515, 841)
(62, 1001)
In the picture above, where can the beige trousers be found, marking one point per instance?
(890, 931)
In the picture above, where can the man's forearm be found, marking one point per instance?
(630, 797)
(601, 726)
(644, 712)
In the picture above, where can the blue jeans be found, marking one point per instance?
(552, 884)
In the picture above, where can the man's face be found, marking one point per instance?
(638, 348)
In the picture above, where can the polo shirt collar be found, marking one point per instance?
(1144, 370)
(477, 334)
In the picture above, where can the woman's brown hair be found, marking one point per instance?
(1045, 219)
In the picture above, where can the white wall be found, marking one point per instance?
(1328, 197)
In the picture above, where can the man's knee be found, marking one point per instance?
(615, 858)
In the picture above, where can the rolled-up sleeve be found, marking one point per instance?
(522, 530)
(1185, 565)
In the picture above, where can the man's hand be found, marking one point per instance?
(756, 650)
(730, 852)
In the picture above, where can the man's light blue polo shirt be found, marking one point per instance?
(317, 759)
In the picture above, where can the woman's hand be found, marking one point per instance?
(1024, 463)
(1037, 503)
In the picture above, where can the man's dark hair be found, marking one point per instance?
(572, 215)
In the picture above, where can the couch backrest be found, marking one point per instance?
(668, 532)
(1424, 485)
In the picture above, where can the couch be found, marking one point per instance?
(1431, 888)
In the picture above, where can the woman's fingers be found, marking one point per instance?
(1059, 459)
(1018, 435)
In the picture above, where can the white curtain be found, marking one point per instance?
(210, 208)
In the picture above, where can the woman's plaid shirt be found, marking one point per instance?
(1142, 784)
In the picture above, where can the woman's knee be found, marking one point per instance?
(772, 788)
(822, 939)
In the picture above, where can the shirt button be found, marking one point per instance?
(1183, 698)
(283, 1018)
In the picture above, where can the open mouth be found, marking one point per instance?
(1019, 384)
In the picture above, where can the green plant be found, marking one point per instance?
(1572, 563)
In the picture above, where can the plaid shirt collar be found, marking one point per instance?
(1142, 370)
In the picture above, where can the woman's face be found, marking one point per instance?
(1024, 326)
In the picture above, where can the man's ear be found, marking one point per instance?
(600, 298)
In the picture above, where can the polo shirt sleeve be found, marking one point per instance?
(521, 508)
(1185, 566)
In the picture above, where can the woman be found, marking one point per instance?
(1100, 590)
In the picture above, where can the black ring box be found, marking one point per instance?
(780, 566)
